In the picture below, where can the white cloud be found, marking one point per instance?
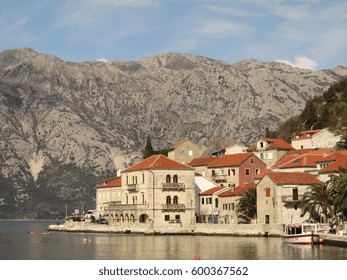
(129, 3)
(301, 62)
(221, 27)
(101, 59)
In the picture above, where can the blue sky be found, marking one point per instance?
(304, 33)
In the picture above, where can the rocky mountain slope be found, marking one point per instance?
(65, 126)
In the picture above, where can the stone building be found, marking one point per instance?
(270, 150)
(279, 196)
(315, 139)
(184, 151)
(228, 201)
(107, 192)
(157, 190)
(234, 170)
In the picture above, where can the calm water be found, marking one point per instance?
(17, 244)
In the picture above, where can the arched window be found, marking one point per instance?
(168, 200)
(175, 179)
(175, 199)
(168, 179)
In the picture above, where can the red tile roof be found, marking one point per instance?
(334, 166)
(336, 155)
(262, 174)
(305, 134)
(277, 144)
(201, 161)
(299, 158)
(157, 162)
(230, 160)
(110, 182)
(297, 178)
(239, 190)
(213, 190)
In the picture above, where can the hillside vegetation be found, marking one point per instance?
(328, 110)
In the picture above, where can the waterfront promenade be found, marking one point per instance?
(196, 229)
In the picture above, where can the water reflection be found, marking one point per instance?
(16, 243)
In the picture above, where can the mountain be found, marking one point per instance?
(65, 126)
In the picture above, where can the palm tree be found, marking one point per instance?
(319, 198)
(246, 208)
(342, 144)
(339, 185)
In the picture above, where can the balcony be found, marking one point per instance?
(221, 178)
(173, 187)
(122, 207)
(132, 187)
(291, 198)
(174, 207)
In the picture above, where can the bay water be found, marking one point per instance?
(28, 240)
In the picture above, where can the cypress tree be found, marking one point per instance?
(148, 148)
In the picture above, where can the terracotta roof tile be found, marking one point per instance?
(201, 161)
(157, 162)
(298, 158)
(334, 166)
(110, 182)
(213, 190)
(239, 190)
(305, 134)
(230, 160)
(297, 178)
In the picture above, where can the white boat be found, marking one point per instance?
(301, 234)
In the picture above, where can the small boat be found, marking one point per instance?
(301, 234)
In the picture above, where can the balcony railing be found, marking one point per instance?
(219, 177)
(173, 187)
(174, 207)
(132, 187)
(291, 198)
(118, 207)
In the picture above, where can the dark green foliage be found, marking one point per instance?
(326, 111)
(247, 207)
(148, 148)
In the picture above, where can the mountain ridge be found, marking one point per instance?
(92, 118)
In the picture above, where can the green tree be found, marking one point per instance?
(148, 148)
(342, 144)
(319, 198)
(246, 208)
(309, 115)
(339, 185)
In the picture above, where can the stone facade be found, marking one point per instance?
(184, 151)
(158, 191)
(279, 196)
(107, 192)
(315, 139)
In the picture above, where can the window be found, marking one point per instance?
(190, 153)
(126, 200)
(175, 199)
(267, 192)
(143, 198)
(178, 217)
(127, 180)
(257, 171)
(202, 200)
(252, 160)
(167, 218)
(247, 171)
(168, 179)
(295, 194)
(269, 155)
(232, 206)
(213, 173)
(175, 179)
(168, 200)
(143, 178)
(267, 219)
(209, 200)
(216, 202)
(261, 156)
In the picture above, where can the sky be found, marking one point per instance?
(303, 33)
